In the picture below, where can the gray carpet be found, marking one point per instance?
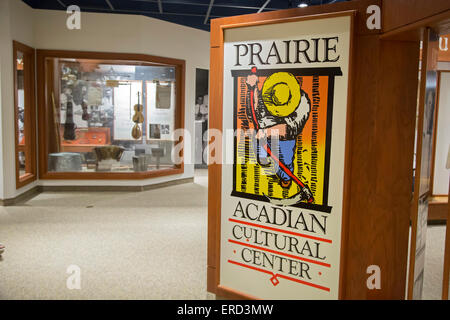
(144, 245)
(434, 263)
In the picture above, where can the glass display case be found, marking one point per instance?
(109, 117)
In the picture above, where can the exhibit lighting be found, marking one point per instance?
(302, 4)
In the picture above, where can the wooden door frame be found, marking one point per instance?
(29, 116)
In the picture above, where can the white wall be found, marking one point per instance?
(441, 174)
(16, 23)
(46, 29)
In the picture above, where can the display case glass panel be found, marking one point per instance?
(110, 116)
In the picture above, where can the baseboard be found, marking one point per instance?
(116, 188)
(27, 195)
(167, 184)
(38, 189)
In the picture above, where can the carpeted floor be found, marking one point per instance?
(144, 245)
(434, 263)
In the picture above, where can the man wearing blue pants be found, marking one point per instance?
(279, 110)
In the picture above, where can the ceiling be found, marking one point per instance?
(191, 13)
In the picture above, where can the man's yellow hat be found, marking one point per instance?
(281, 94)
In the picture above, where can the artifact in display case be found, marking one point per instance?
(69, 125)
(138, 118)
(87, 139)
(108, 157)
(65, 162)
(158, 153)
(79, 91)
(140, 162)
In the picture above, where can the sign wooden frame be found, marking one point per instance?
(215, 170)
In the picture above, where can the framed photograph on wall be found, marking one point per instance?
(163, 95)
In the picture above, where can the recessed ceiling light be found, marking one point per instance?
(302, 5)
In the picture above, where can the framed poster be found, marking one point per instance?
(285, 98)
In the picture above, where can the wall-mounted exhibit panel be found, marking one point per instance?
(108, 115)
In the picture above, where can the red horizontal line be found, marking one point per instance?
(280, 230)
(281, 276)
(280, 253)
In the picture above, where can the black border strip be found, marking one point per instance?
(330, 105)
(235, 103)
(332, 71)
(303, 205)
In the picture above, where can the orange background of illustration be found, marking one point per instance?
(259, 182)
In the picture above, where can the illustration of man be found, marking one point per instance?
(279, 110)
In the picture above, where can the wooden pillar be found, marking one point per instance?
(384, 106)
